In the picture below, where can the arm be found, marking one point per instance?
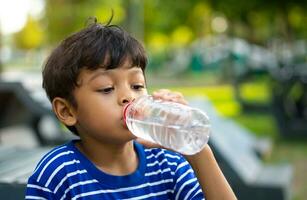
(209, 175)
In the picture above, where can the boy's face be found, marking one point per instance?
(101, 97)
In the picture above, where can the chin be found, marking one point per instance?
(131, 136)
(127, 134)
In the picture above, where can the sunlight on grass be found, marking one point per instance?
(227, 109)
(256, 92)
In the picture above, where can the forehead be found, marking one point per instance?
(117, 73)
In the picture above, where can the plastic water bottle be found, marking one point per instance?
(172, 125)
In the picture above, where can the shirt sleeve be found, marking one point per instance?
(35, 191)
(186, 186)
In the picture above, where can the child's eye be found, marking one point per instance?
(106, 90)
(137, 87)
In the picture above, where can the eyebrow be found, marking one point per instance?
(136, 70)
(133, 70)
(100, 73)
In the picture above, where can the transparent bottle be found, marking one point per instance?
(172, 125)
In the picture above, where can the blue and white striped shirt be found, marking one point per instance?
(65, 173)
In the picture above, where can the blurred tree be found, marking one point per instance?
(31, 36)
(261, 19)
(165, 16)
(62, 17)
(172, 24)
(134, 22)
(254, 20)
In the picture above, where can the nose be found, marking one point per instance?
(126, 98)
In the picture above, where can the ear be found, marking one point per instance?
(64, 111)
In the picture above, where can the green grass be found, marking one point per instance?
(257, 91)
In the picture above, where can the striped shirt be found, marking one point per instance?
(65, 173)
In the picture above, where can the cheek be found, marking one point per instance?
(103, 111)
(96, 112)
(97, 119)
(144, 92)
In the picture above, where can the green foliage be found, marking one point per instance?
(65, 17)
(31, 36)
(265, 19)
(178, 23)
(167, 23)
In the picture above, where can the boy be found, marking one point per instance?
(89, 78)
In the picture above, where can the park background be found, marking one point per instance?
(230, 52)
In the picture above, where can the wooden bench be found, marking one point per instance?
(236, 151)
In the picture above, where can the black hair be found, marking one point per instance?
(96, 46)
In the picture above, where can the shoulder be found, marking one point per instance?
(53, 162)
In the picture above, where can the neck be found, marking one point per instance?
(115, 159)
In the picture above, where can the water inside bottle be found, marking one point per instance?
(184, 139)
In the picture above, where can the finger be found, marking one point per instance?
(162, 93)
(179, 98)
(167, 95)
